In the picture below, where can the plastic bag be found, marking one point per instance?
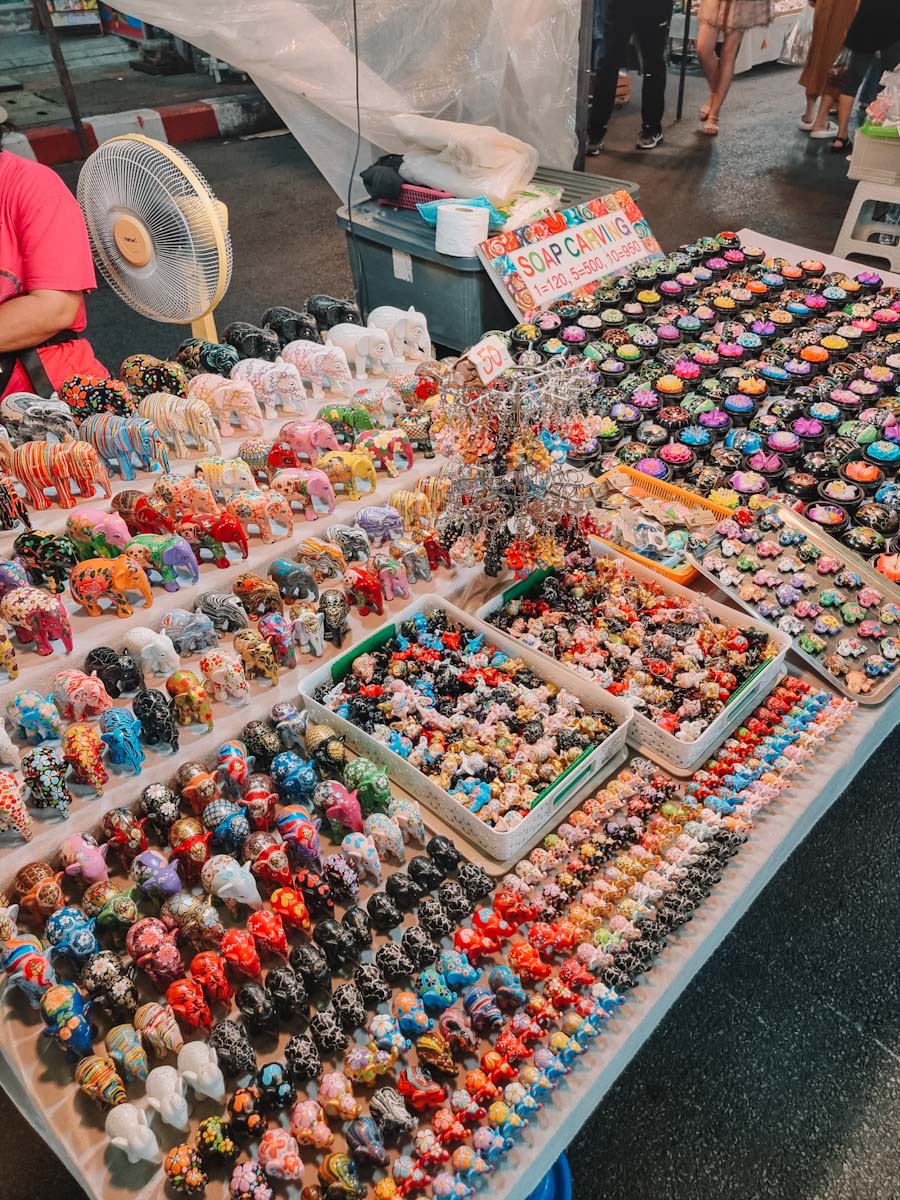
(496, 62)
(465, 160)
(795, 50)
(884, 111)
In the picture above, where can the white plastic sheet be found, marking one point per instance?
(507, 63)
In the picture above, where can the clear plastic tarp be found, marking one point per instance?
(508, 63)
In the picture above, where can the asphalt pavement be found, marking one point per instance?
(777, 1073)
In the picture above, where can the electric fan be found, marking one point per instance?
(158, 234)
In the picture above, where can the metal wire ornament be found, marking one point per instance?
(511, 497)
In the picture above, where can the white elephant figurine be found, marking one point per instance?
(166, 1095)
(155, 651)
(199, 1067)
(362, 344)
(9, 754)
(128, 1130)
(275, 383)
(408, 331)
(227, 398)
(318, 364)
(309, 632)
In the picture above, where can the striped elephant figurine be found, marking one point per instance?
(120, 441)
(177, 417)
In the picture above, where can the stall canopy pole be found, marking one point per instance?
(583, 82)
(62, 71)
(688, 5)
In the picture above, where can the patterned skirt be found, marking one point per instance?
(729, 15)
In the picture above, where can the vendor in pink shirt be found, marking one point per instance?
(45, 269)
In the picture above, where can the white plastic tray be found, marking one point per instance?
(498, 845)
(678, 757)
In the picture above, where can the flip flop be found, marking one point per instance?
(806, 126)
(829, 133)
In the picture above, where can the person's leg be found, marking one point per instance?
(616, 31)
(809, 112)
(652, 30)
(857, 70)
(730, 46)
(707, 37)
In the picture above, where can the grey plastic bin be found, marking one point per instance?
(394, 262)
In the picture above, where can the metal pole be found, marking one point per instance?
(688, 5)
(583, 81)
(62, 71)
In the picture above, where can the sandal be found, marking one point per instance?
(841, 145)
(710, 126)
(704, 111)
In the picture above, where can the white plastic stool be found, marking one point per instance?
(855, 231)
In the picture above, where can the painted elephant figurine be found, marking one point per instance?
(279, 633)
(121, 440)
(305, 485)
(294, 581)
(154, 651)
(324, 559)
(414, 558)
(385, 447)
(260, 508)
(309, 632)
(13, 510)
(391, 576)
(198, 355)
(347, 421)
(334, 608)
(142, 514)
(188, 632)
(353, 541)
(203, 531)
(381, 522)
(264, 457)
(13, 813)
(363, 589)
(258, 596)
(223, 676)
(224, 610)
(363, 346)
(275, 383)
(345, 467)
(256, 655)
(308, 439)
(37, 616)
(145, 374)
(181, 494)
(162, 554)
(320, 364)
(190, 703)
(112, 577)
(97, 534)
(225, 475)
(227, 398)
(41, 464)
(177, 417)
(48, 558)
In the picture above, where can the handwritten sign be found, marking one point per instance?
(491, 358)
(568, 252)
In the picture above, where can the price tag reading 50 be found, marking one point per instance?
(491, 358)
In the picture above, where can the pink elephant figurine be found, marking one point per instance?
(362, 854)
(392, 576)
(37, 617)
(82, 858)
(295, 483)
(97, 534)
(79, 696)
(13, 813)
(309, 439)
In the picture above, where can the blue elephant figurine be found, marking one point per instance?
(121, 732)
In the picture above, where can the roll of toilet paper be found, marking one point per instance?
(460, 227)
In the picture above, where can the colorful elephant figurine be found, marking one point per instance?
(294, 581)
(225, 475)
(35, 718)
(265, 457)
(256, 655)
(66, 1016)
(381, 523)
(261, 508)
(352, 540)
(13, 813)
(203, 531)
(362, 854)
(414, 558)
(79, 696)
(345, 467)
(257, 595)
(112, 577)
(176, 417)
(228, 398)
(44, 771)
(121, 732)
(309, 632)
(162, 554)
(363, 589)
(144, 374)
(84, 859)
(13, 510)
(391, 576)
(223, 676)
(190, 704)
(37, 617)
(184, 495)
(275, 383)
(188, 633)
(8, 660)
(82, 749)
(142, 514)
(320, 364)
(279, 633)
(121, 440)
(97, 534)
(308, 439)
(324, 559)
(41, 464)
(48, 558)
(305, 485)
(334, 609)
(385, 447)
(387, 836)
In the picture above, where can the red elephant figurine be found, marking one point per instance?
(362, 588)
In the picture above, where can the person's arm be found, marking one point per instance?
(31, 319)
